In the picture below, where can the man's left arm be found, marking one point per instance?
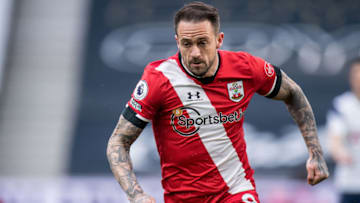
(301, 111)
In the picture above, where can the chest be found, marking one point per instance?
(219, 97)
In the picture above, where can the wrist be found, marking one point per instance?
(137, 197)
(315, 152)
(138, 194)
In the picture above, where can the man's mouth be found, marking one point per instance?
(197, 62)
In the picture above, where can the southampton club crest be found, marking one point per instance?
(236, 90)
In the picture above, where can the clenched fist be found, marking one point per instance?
(316, 168)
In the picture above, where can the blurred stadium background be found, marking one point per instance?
(67, 68)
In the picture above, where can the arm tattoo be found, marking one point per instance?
(118, 155)
(302, 113)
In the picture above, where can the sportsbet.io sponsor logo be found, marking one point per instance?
(187, 121)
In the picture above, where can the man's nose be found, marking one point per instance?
(195, 52)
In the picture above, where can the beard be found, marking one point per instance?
(199, 67)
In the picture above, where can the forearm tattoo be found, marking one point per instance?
(118, 155)
(302, 113)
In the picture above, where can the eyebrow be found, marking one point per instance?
(185, 39)
(201, 38)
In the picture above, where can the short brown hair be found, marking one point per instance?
(198, 11)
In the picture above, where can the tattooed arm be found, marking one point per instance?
(118, 156)
(301, 111)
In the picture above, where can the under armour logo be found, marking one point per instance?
(197, 95)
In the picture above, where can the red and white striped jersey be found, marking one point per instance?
(198, 124)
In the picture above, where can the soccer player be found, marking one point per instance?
(196, 101)
(343, 125)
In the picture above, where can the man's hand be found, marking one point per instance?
(143, 198)
(316, 168)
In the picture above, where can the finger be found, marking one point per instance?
(316, 180)
(320, 175)
(311, 175)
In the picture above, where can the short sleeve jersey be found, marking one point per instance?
(198, 123)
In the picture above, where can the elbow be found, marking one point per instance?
(115, 147)
(111, 147)
(108, 150)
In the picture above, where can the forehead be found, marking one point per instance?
(190, 29)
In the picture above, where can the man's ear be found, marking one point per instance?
(219, 40)
(177, 40)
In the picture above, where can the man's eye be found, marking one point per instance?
(202, 43)
(186, 44)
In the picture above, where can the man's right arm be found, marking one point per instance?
(118, 150)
